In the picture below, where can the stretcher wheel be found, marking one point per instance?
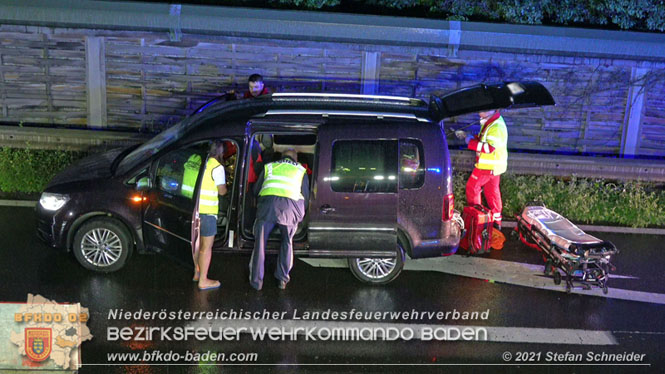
(568, 287)
(605, 289)
(557, 278)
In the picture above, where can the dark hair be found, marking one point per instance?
(255, 78)
(213, 146)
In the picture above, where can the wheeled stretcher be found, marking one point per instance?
(583, 259)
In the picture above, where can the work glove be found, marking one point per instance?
(460, 134)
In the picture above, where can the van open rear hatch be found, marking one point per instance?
(489, 96)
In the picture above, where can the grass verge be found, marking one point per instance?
(581, 200)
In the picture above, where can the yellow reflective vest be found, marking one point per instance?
(496, 135)
(208, 200)
(192, 167)
(283, 178)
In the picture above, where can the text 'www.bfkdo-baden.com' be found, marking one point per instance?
(188, 357)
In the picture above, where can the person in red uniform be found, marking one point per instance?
(491, 150)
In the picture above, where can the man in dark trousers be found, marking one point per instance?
(283, 190)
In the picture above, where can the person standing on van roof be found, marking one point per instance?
(283, 190)
(212, 185)
(491, 161)
(255, 87)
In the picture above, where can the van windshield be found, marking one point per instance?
(152, 146)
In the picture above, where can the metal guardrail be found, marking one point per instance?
(518, 163)
(581, 166)
(67, 139)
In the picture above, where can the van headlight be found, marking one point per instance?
(53, 201)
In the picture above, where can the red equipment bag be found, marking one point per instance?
(478, 225)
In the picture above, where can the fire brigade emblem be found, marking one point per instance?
(37, 343)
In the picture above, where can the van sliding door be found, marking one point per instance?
(354, 206)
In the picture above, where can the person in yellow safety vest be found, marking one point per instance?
(283, 195)
(491, 150)
(192, 167)
(212, 185)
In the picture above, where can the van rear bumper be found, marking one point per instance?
(445, 245)
(435, 248)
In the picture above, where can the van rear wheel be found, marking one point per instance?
(377, 271)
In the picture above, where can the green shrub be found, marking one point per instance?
(28, 170)
(581, 200)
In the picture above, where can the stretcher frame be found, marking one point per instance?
(583, 259)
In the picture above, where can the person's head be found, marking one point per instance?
(217, 149)
(291, 153)
(255, 83)
(485, 115)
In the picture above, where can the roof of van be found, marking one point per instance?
(474, 98)
(323, 104)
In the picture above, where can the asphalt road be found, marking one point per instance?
(554, 330)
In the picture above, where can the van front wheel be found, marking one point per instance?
(378, 271)
(102, 245)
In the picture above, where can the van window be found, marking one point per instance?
(364, 166)
(178, 171)
(411, 168)
(154, 145)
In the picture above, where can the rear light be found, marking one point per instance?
(448, 207)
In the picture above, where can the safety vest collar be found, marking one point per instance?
(490, 121)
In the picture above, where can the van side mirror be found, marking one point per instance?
(143, 184)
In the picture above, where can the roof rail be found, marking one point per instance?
(347, 97)
(326, 113)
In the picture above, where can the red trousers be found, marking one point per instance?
(486, 181)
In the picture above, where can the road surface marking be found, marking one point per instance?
(516, 273)
(18, 203)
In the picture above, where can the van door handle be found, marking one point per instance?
(325, 209)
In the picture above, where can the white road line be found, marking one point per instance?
(18, 203)
(508, 272)
(494, 334)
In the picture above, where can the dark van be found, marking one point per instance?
(381, 180)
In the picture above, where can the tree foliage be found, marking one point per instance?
(623, 14)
